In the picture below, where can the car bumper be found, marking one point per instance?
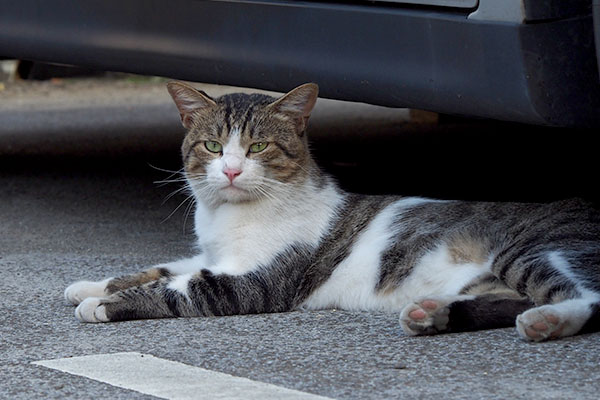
(426, 58)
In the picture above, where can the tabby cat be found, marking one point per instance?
(276, 233)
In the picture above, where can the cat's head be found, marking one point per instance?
(244, 147)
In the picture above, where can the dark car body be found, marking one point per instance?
(528, 61)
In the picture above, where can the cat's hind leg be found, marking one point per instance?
(427, 316)
(461, 313)
(552, 321)
(563, 284)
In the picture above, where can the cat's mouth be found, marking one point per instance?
(235, 193)
(233, 188)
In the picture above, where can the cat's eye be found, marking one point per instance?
(213, 147)
(258, 147)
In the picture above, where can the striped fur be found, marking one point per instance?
(277, 234)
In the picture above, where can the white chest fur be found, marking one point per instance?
(240, 237)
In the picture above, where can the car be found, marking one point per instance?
(514, 60)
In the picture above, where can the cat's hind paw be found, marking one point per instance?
(79, 291)
(540, 323)
(553, 321)
(91, 310)
(425, 317)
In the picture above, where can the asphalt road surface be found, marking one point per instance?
(78, 200)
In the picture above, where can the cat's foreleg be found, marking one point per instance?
(76, 292)
(152, 300)
(190, 295)
(433, 315)
(79, 291)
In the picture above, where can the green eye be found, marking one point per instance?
(213, 147)
(258, 147)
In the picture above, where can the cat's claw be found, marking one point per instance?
(79, 291)
(425, 317)
(540, 323)
(91, 310)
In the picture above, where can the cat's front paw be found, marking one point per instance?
(425, 317)
(79, 291)
(91, 310)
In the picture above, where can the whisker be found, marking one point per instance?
(173, 193)
(167, 170)
(166, 182)
(267, 191)
(188, 210)
(177, 208)
(173, 173)
(273, 181)
(301, 167)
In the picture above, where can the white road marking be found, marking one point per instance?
(167, 379)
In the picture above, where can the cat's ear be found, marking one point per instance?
(298, 103)
(189, 100)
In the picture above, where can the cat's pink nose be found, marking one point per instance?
(232, 173)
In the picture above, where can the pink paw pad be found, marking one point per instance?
(424, 317)
(429, 304)
(541, 326)
(420, 314)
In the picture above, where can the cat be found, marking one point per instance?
(276, 233)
